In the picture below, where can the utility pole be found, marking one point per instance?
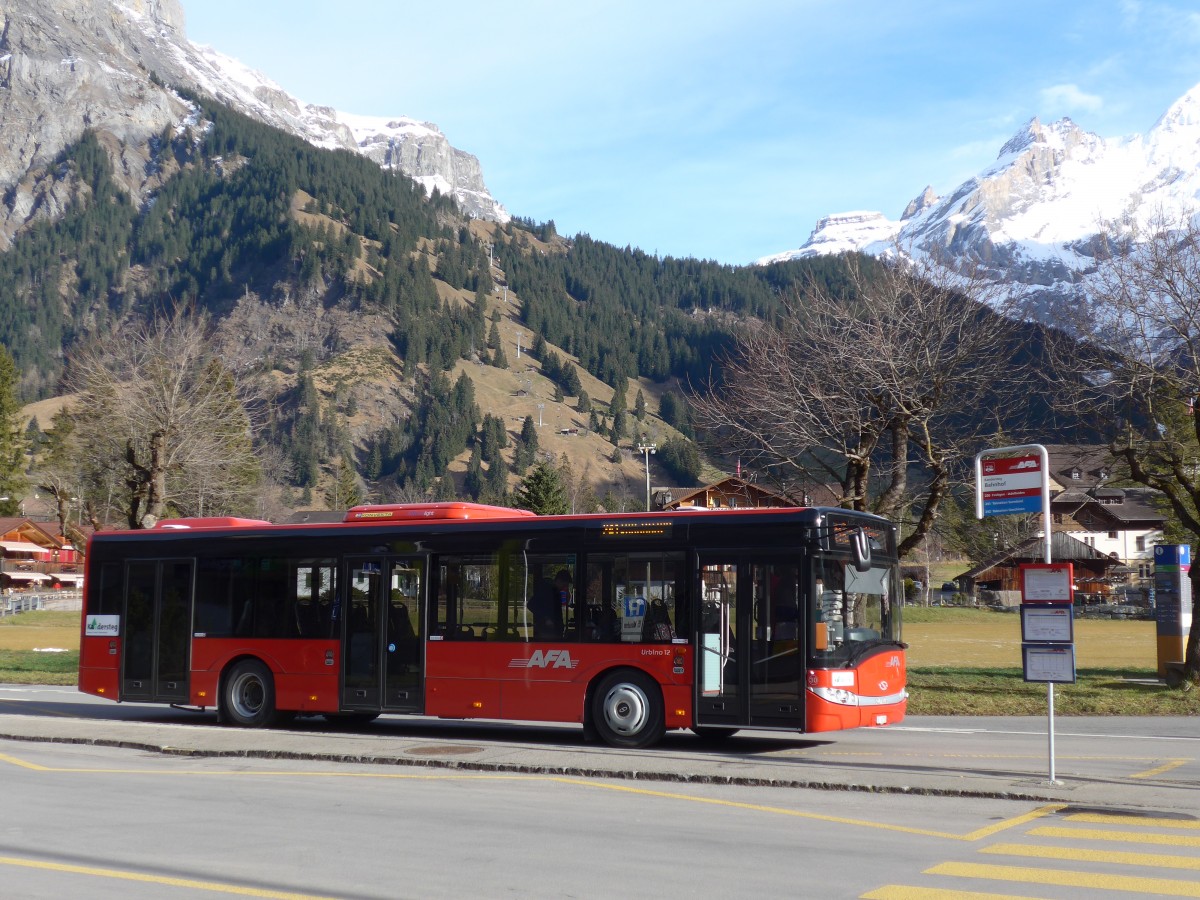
(647, 449)
(540, 407)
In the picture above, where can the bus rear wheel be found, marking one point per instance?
(627, 710)
(248, 698)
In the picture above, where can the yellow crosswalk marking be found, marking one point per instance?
(904, 892)
(1159, 770)
(1132, 837)
(1063, 878)
(1075, 854)
(1110, 819)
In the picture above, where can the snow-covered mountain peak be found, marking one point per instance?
(89, 59)
(1059, 136)
(418, 149)
(1183, 114)
(1033, 217)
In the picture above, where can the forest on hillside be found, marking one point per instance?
(223, 226)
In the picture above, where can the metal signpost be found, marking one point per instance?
(1011, 481)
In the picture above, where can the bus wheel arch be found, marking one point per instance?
(626, 709)
(247, 696)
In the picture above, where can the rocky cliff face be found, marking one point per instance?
(1034, 218)
(62, 73)
(71, 65)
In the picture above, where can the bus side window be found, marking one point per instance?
(635, 597)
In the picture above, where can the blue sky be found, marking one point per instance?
(720, 130)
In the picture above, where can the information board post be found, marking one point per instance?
(1015, 480)
(1172, 603)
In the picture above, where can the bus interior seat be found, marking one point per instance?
(657, 624)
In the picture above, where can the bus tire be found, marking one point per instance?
(248, 695)
(627, 709)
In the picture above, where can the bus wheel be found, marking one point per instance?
(627, 710)
(248, 699)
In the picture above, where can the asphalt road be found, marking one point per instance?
(131, 801)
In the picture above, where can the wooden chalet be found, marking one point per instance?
(731, 493)
(1095, 572)
(32, 556)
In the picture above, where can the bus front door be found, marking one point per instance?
(382, 644)
(157, 627)
(751, 654)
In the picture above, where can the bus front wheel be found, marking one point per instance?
(627, 710)
(248, 699)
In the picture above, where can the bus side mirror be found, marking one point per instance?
(860, 548)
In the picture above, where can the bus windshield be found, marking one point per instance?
(854, 610)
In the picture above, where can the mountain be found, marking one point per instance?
(1033, 218)
(67, 66)
(390, 331)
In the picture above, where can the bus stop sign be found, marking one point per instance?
(1011, 485)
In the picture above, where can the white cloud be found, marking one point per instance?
(1069, 97)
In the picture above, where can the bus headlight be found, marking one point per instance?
(836, 695)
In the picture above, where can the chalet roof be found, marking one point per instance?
(1063, 548)
(735, 487)
(25, 529)
(1117, 505)
(1080, 465)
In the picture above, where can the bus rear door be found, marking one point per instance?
(157, 630)
(751, 654)
(381, 658)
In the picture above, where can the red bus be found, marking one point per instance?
(630, 624)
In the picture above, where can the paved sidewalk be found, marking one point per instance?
(1146, 764)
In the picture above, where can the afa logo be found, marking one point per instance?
(550, 659)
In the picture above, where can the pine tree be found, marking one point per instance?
(542, 491)
(527, 447)
(473, 482)
(639, 406)
(12, 446)
(618, 404)
(344, 492)
(619, 426)
(496, 484)
(570, 380)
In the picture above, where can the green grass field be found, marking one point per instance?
(961, 662)
(39, 648)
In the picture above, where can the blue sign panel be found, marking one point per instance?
(1010, 505)
(1172, 555)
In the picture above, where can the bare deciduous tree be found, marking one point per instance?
(57, 471)
(156, 410)
(872, 391)
(1136, 366)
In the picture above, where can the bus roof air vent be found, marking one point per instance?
(210, 522)
(410, 512)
